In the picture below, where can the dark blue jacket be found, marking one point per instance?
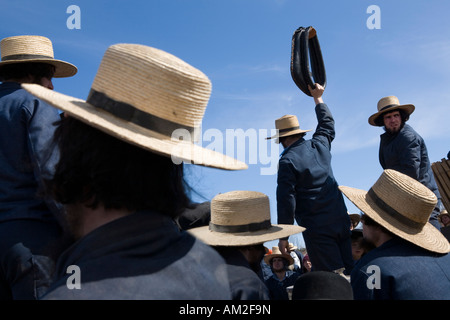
(307, 189)
(142, 256)
(407, 153)
(406, 272)
(26, 127)
(245, 283)
(277, 288)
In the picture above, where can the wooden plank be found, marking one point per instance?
(443, 178)
(443, 182)
(446, 166)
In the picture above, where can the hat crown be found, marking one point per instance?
(154, 82)
(287, 122)
(240, 208)
(277, 253)
(387, 102)
(408, 197)
(276, 250)
(18, 47)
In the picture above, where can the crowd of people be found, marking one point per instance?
(92, 184)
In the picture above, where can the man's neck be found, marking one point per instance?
(28, 79)
(91, 219)
(280, 274)
(289, 142)
(381, 238)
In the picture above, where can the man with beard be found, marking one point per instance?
(402, 148)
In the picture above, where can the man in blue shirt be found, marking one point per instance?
(28, 223)
(307, 190)
(410, 259)
(122, 188)
(282, 276)
(402, 148)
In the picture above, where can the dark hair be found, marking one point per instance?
(380, 122)
(296, 136)
(95, 168)
(285, 261)
(37, 70)
(368, 221)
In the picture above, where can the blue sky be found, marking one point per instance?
(244, 46)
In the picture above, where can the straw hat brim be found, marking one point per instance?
(214, 238)
(409, 108)
(63, 69)
(429, 237)
(288, 133)
(134, 134)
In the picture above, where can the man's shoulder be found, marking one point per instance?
(409, 132)
(406, 135)
(13, 93)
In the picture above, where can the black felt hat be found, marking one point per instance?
(322, 285)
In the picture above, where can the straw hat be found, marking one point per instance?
(403, 206)
(355, 218)
(22, 49)
(277, 253)
(287, 126)
(240, 218)
(142, 95)
(444, 212)
(292, 247)
(387, 104)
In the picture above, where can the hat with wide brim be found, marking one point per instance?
(355, 218)
(389, 104)
(443, 212)
(149, 98)
(241, 218)
(277, 253)
(403, 206)
(37, 49)
(287, 125)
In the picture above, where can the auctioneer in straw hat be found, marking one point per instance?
(26, 49)
(287, 126)
(142, 95)
(403, 206)
(387, 104)
(241, 218)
